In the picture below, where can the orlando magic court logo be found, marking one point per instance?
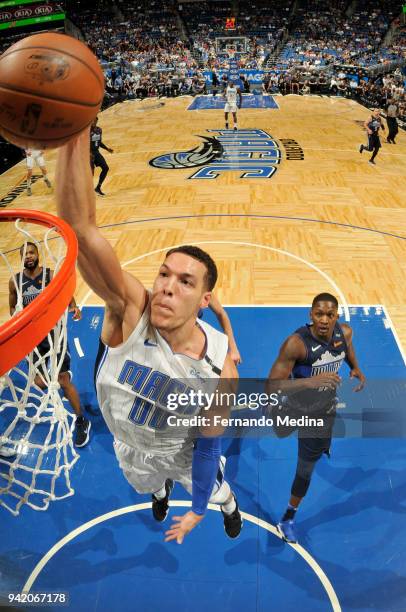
(253, 153)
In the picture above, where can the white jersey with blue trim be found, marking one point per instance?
(231, 96)
(134, 379)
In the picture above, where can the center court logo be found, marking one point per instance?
(253, 153)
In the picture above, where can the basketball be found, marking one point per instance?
(51, 88)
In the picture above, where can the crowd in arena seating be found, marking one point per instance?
(205, 19)
(322, 33)
(267, 20)
(164, 47)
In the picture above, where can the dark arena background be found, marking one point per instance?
(289, 205)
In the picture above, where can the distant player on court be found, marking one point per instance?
(152, 345)
(231, 94)
(35, 156)
(372, 126)
(96, 158)
(314, 354)
(33, 281)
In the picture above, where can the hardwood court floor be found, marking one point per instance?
(318, 211)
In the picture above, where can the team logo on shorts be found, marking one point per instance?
(252, 153)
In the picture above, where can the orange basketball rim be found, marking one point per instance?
(25, 330)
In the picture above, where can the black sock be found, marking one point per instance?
(289, 513)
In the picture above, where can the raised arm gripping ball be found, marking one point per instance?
(51, 88)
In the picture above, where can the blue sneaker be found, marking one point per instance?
(287, 530)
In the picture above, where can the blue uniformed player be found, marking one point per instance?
(34, 280)
(372, 126)
(314, 353)
(96, 158)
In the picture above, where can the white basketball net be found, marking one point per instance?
(35, 427)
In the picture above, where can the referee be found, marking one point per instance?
(96, 158)
(391, 121)
(372, 126)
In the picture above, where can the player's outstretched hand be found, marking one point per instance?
(235, 356)
(356, 373)
(77, 315)
(181, 526)
(330, 380)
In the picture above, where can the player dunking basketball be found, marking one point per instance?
(231, 94)
(151, 343)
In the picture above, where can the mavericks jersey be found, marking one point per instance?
(134, 380)
(95, 138)
(32, 287)
(374, 125)
(321, 357)
(231, 96)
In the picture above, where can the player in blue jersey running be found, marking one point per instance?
(372, 125)
(314, 353)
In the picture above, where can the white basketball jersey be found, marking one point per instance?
(231, 96)
(134, 379)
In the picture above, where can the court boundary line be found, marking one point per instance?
(247, 244)
(253, 216)
(241, 215)
(395, 334)
(306, 556)
(78, 347)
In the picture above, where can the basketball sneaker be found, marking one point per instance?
(48, 183)
(361, 148)
(232, 522)
(371, 161)
(29, 192)
(287, 530)
(82, 431)
(160, 507)
(99, 191)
